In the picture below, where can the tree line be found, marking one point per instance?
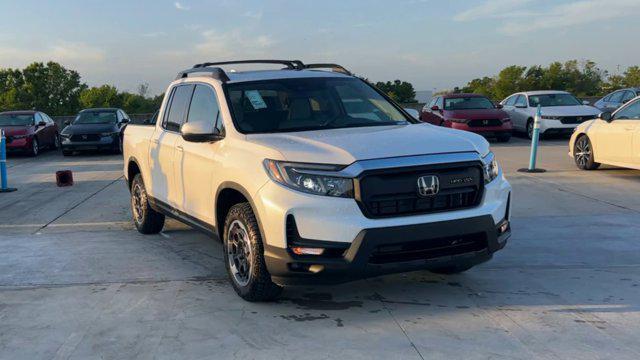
(56, 90)
(583, 79)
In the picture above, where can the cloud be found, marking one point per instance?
(180, 6)
(492, 9)
(65, 52)
(256, 15)
(155, 34)
(227, 44)
(517, 18)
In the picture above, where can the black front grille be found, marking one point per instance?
(574, 119)
(428, 249)
(394, 192)
(484, 122)
(86, 137)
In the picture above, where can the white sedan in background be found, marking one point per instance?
(561, 111)
(612, 139)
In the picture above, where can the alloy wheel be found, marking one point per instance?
(138, 201)
(239, 253)
(582, 152)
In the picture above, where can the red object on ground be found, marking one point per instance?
(64, 178)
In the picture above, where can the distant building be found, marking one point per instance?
(424, 96)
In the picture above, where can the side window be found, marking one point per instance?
(628, 95)
(48, 119)
(521, 101)
(616, 97)
(630, 112)
(511, 100)
(204, 107)
(178, 107)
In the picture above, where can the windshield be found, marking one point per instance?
(547, 100)
(16, 119)
(467, 103)
(283, 105)
(96, 117)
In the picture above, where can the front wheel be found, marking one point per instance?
(147, 220)
(530, 129)
(56, 142)
(35, 147)
(583, 154)
(244, 256)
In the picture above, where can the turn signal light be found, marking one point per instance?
(298, 250)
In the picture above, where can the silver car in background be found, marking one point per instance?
(614, 100)
(561, 111)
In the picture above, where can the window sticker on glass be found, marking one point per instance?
(256, 100)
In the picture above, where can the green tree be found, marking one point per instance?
(632, 76)
(400, 91)
(509, 80)
(102, 96)
(51, 88)
(483, 86)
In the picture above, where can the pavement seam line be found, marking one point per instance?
(78, 204)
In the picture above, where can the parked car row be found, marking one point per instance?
(92, 129)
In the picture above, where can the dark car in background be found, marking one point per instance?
(614, 100)
(470, 112)
(94, 130)
(29, 131)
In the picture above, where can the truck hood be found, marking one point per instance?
(581, 110)
(345, 146)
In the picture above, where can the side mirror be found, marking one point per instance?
(200, 132)
(41, 123)
(585, 102)
(435, 108)
(499, 106)
(606, 116)
(413, 112)
(125, 121)
(67, 122)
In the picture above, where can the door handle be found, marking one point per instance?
(179, 148)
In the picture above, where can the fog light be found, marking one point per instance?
(298, 250)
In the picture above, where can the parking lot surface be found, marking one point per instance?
(78, 282)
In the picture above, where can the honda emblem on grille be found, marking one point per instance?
(485, 122)
(428, 185)
(84, 137)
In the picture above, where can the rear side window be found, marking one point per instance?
(178, 107)
(204, 107)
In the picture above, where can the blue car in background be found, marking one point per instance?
(616, 99)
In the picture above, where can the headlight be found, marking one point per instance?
(457, 120)
(491, 168)
(506, 119)
(551, 117)
(309, 178)
(109, 134)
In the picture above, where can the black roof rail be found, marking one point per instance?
(333, 67)
(215, 72)
(290, 64)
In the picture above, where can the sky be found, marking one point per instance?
(434, 44)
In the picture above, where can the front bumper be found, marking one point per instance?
(21, 144)
(105, 143)
(462, 242)
(505, 128)
(549, 126)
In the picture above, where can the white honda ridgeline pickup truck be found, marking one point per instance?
(312, 176)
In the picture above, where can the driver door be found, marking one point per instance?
(616, 138)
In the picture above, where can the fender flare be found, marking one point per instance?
(242, 190)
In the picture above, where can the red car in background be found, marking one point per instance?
(469, 112)
(29, 131)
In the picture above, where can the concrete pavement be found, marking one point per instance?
(78, 282)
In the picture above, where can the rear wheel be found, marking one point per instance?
(530, 129)
(147, 220)
(244, 256)
(583, 154)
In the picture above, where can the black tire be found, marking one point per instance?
(249, 276)
(56, 142)
(120, 146)
(451, 269)
(503, 138)
(583, 154)
(147, 220)
(35, 147)
(529, 130)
